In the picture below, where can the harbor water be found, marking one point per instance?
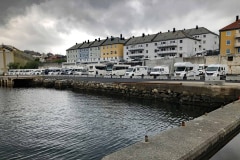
(38, 123)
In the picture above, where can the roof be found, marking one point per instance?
(8, 47)
(232, 26)
(141, 39)
(198, 31)
(75, 46)
(85, 45)
(171, 36)
(114, 40)
(98, 42)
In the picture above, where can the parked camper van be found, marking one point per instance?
(137, 71)
(159, 70)
(185, 69)
(201, 69)
(216, 70)
(119, 69)
(96, 69)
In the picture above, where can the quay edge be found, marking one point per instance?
(200, 138)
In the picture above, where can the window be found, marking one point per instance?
(238, 50)
(204, 42)
(155, 44)
(228, 33)
(146, 45)
(180, 48)
(230, 58)
(227, 51)
(181, 41)
(204, 36)
(146, 51)
(228, 42)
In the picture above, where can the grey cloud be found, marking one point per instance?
(101, 18)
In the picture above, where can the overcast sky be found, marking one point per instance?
(56, 25)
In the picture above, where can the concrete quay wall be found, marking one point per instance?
(188, 93)
(195, 140)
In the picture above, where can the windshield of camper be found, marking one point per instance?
(180, 68)
(156, 69)
(212, 69)
(129, 70)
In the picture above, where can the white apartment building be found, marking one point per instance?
(73, 53)
(139, 48)
(175, 44)
(181, 43)
(208, 40)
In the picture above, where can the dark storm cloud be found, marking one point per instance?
(51, 23)
(9, 8)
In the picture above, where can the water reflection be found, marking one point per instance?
(51, 124)
(230, 151)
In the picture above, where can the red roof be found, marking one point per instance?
(234, 25)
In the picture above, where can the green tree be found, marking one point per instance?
(13, 65)
(31, 65)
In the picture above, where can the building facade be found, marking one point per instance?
(84, 52)
(73, 53)
(112, 49)
(139, 48)
(10, 54)
(230, 39)
(95, 51)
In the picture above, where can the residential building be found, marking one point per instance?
(95, 51)
(209, 41)
(73, 53)
(174, 44)
(112, 49)
(10, 54)
(230, 39)
(139, 48)
(84, 52)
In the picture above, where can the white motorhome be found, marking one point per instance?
(185, 69)
(96, 69)
(201, 69)
(119, 69)
(159, 70)
(137, 71)
(215, 70)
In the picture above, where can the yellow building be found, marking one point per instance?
(230, 39)
(10, 54)
(112, 49)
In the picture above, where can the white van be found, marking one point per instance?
(185, 69)
(119, 69)
(137, 71)
(97, 69)
(215, 70)
(201, 69)
(159, 70)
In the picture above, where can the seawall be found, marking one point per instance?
(187, 93)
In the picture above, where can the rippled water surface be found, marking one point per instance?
(52, 124)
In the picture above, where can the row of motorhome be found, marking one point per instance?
(181, 69)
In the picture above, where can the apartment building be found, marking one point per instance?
(10, 54)
(95, 51)
(230, 39)
(139, 48)
(208, 40)
(112, 49)
(73, 53)
(84, 50)
(174, 44)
